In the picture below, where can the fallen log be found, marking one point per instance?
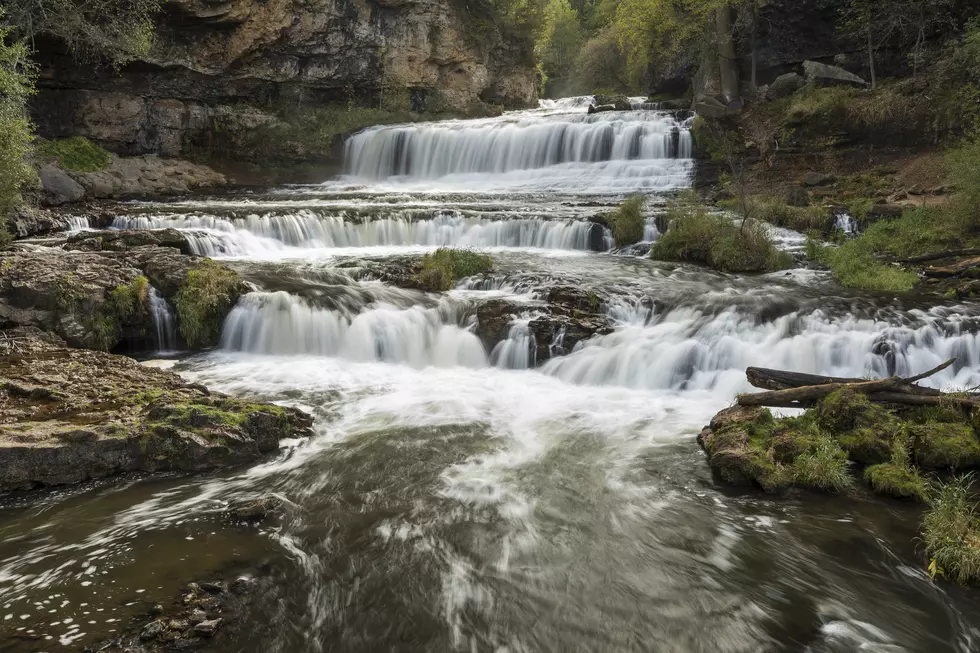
(949, 253)
(796, 390)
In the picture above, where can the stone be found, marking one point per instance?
(710, 107)
(255, 510)
(819, 74)
(207, 628)
(797, 196)
(143, 419)
(818, 179)
(126, 239)
(786, 85)
(618, 101)
(28, 221)
(58, 187)
(152, 630)
(602, 108)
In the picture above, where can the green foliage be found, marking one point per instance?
(824, 467)
(898, 481)
(207, 296)
(600, 64)
(16, 135)
(964, 173)
(115, 30)
(560, 41)
(627, 221)
(443, 267)
(76, 153)
(951, 532)
(696, 235)
(128, 299)
(774, 211)
(854, 265)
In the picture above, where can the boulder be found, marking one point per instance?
(58, 187)
(602, 108)
(820, 74)
(102, 414)
(619, 101)
(785, 85)
(813, 179)
(125, 239)
(28, 221)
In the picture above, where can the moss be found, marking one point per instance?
(941, 445)
(698, 236)
(76, 153)
(898, 481)
(443, 267)
(627, 221)
(124, 305)
(951, 532)
(204, 300)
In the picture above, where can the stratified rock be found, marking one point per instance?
(147, 175)
(29, 221)
(58, 187)
(207, 628)
(108, 414)
(820, 74)
(125, 239)
(785, 85)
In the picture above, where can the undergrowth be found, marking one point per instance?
(76, 153)
(444, 267)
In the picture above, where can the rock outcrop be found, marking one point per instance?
(217, 72)
(143, 176)
(70, 415)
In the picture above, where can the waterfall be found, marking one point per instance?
(517, 352)
(210, 235)
(163, 320)
(282, 324)
(434, 150)
(846, 222)
(77, 222)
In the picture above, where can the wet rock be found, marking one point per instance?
(618, 101)
(155, 610)
(213, 587)
(254, 510)
(820, 74)
(241, 585)
(125, 239)
(197, 616)
(58, 187)
(207, 628)
(601, 108)
(152, 630)
(133, 417)
(29, 221)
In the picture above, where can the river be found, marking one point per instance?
(458, 499)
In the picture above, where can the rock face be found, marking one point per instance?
(820, 74)
(58, 187)
(143, 175)
(28, 221)
(71, 415)
(226, 63)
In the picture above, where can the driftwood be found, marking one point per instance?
(950, 253)
(796, 390)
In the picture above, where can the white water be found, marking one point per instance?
(516, 352)
(164, 322)
(515, 143)
(210, 235)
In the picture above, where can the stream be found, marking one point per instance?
(459, 499)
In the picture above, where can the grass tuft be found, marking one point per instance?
(825, 467)
(443, 267)
(951, 532)
(627, 221)
(202, 303)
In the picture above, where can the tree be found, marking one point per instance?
(561, 40)
(116, 30)
(601, 65)
(16, 85)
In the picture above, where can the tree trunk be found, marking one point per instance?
(871, 50)
(754, 37)
(726, 53)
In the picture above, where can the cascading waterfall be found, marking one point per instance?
(163, 320)
(517, 352)
(210, 235)
(433, 150)
(282, 324)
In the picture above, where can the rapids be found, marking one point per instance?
(460, 499)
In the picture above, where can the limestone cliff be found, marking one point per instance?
(219, 68)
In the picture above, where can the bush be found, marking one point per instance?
(951, 532)
(696, 235)
(627, 221)
(443, 267)
(76, 153)
(16, 85)
(204, 300)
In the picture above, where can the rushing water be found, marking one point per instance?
(459, 499)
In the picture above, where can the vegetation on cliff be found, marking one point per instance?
(444, 267)
(76, 153)
(16, 135)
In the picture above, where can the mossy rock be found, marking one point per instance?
(867, 445)
(845, 410)
(898, 481)
(941, 445)
(204, 300)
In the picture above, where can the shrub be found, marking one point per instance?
(627, 221)
(951, 532)
(16, 85)
(443, 267)
(696, 235)
(206, 297)
(76, 153)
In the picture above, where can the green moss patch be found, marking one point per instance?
(204, 300)
(77, 154)
(444, 267)
(898, 481)
(942, 445)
